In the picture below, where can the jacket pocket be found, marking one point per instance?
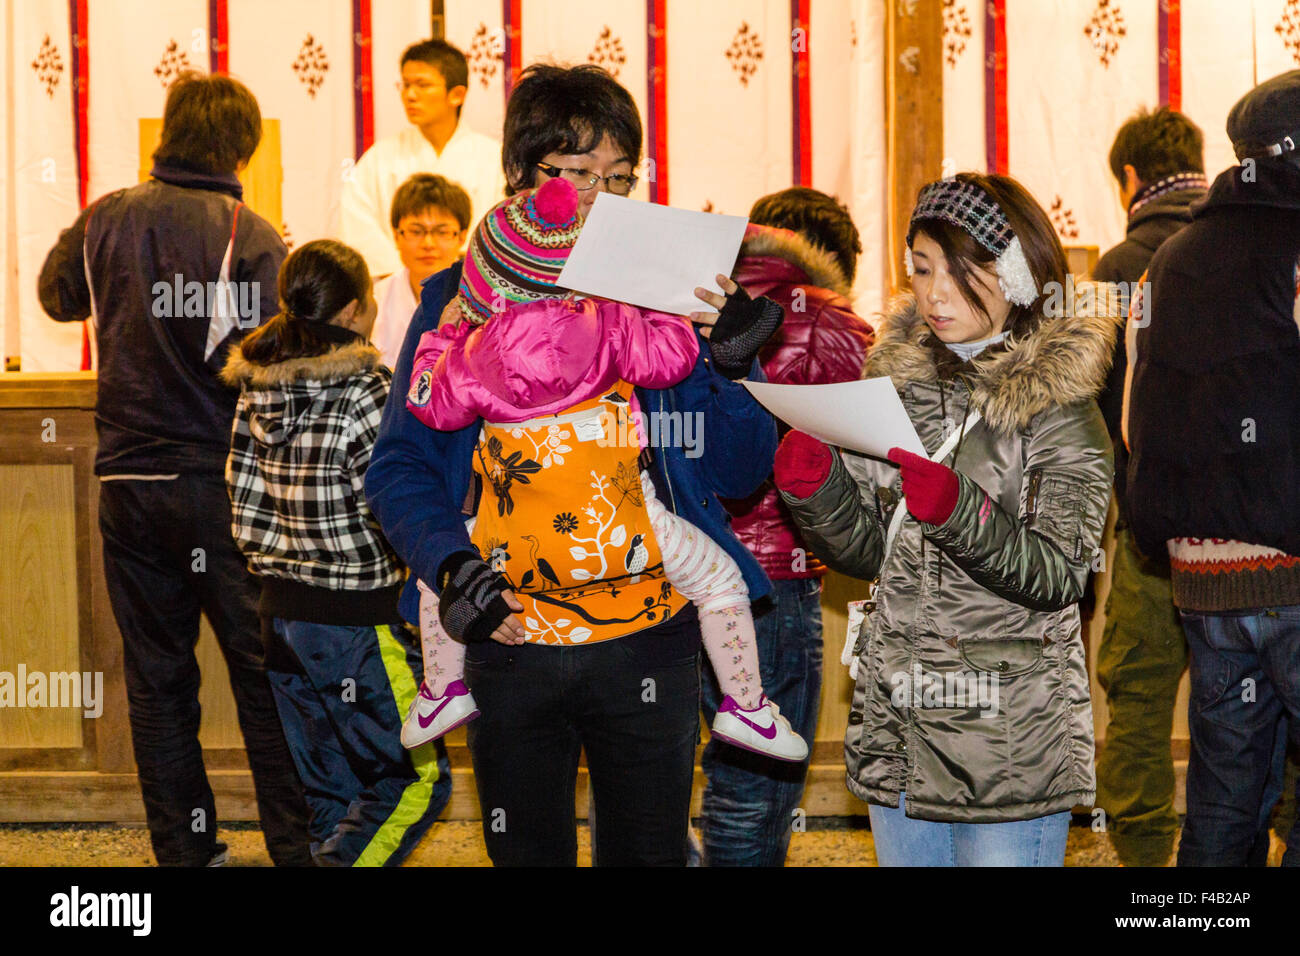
(1004, 657)
(1054, 508)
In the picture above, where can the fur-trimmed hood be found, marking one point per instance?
(820, 266)
(285, 398)
(341, 361)
(1063, 361)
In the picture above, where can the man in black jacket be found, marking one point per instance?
(1213, 424)
(1157, 158)
(172, 272)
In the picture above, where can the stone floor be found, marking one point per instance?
(827, 842)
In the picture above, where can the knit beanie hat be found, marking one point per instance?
(1266, 121)
(518, 250)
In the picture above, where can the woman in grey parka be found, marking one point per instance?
(972, 700)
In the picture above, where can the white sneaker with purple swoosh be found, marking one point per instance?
(430, 717)
(762, 730)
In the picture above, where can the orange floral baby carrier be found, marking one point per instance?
(562, 515)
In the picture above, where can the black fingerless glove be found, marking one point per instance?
(744, 326)
(471, 605)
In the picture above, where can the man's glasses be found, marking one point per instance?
(619, 184)
(439, 233)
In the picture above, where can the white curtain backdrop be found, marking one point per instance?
(729, 122)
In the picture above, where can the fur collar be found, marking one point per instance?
(821, 267)
(1065, 360)
(339, 362)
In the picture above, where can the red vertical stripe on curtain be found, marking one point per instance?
(511, 54)
(801, 91)
(363, 93)
(219, 36)
(79, 22)
(995, 86)
(657, 97)
(1170, 32)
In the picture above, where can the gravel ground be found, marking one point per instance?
(827, 842)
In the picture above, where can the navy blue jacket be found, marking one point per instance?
(418, 478)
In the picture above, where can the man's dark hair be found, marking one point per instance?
(821, 219)
(1157, 145)
(429, 191)
(568, 110)
(443, 57)
(211, 124)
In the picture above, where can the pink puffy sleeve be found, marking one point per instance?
(432, 397)
(651, 349)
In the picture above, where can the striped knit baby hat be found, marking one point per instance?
(518, 250)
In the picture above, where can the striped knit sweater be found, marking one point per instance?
(1211, 574)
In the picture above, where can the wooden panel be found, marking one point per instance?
(837, 688)
(44, 390)
(262, 178)
(913, 115)
(219, 727)
(38, 606)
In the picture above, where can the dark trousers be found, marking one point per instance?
(631, 703)
(342, 693)
(750, 801)
(1245, 696)
(168, 555)
(1140, 662)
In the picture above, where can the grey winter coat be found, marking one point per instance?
(984, 604)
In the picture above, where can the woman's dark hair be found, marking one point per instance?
(1037, 237)
(316, 282)
(567, 110)
(1157, 145)
(211, 124)
(430, 191)
(821, 219)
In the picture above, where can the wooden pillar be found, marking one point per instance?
(438, 25)
(913, 114)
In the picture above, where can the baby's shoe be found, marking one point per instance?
(762, 730)
(430, 717)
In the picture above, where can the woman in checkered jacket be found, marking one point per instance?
(342, 668)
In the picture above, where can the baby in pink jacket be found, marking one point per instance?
(531, 356)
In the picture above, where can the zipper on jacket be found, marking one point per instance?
(1031, 497)
(663, 459)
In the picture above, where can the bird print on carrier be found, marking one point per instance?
(638, 554)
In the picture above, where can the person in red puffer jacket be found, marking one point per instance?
(801, 251)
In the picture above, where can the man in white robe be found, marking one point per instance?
(435, 78)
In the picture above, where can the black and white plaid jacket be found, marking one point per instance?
(299, 448)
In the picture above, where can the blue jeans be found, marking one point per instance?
(905, 841)
(1245, 685)
(750, 800)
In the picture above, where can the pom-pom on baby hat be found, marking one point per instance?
(518, 250)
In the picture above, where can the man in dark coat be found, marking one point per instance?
(1157, 160)
(1213, 425)
(173, 271)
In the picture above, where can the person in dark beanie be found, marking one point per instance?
(1157, 159)
(800, 250)
(1212, 420)
(174, 271)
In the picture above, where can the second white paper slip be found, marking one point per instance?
(864, 416)
(651, 256)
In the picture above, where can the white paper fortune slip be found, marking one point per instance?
(864, 416)
(651, 256)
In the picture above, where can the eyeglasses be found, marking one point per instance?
(420, 86)
(619, 184)
(440, 233)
